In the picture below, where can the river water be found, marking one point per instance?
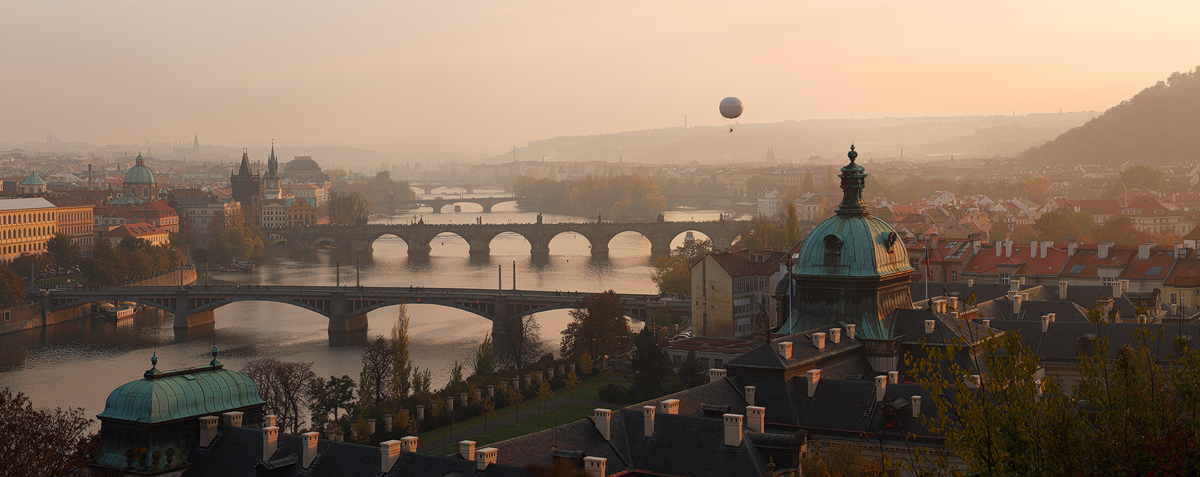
(77, 364)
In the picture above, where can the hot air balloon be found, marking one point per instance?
(731, 107)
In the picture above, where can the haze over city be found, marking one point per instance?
(476, 78)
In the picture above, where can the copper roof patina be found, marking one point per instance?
(162, 396)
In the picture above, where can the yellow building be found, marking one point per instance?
(25, 227)
(301, 212)
(74, 219)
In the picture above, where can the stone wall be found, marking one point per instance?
(29, 315)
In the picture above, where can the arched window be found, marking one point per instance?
(833, 250)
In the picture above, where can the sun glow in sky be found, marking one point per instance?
(478, 77)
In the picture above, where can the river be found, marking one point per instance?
(77, 364)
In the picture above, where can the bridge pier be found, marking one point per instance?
(480, 247)
(361, 245)
(539, 247)
(487, 208)
(185, 321)
(345, 324)
(660, 247)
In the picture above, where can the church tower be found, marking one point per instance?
(271, 188)
(247, 187)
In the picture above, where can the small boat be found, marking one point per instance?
(243, 265)
(118, 312)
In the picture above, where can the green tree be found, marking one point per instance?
(1023, 234)
(806, 185)
(485, 358)
(599, 327)
(1059, 228)
(377, 367)
(691, 370)
(651, 375)
(456, 373)
(63, 251)
(239, 241)
(327, 397)
(402, 368)
(1119, 230)
(673, 273)
(571, 383)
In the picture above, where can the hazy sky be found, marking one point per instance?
(479, 77)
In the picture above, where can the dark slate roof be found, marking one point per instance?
(689, 445)
(847, 409)
(725, 391)
(983, 291)
(237, 451)
(1064, 311)
(581, 435)
(947, 329)
(1062, 341)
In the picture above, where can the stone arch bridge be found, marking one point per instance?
(345, 307)
(440, 202)
(419, 238)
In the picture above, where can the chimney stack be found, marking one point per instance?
(270, 442)
(1144, 250)
(408, 444)
(603, 420)
(669, 406)
(1045, 323)
(973, 381)
(487, 456)
(208, 430)
(818, 340)
(999, 248)
(1045, 247)
(593, 466)
(232, 419)
(971, 282)
(269, 420)
(1008, 248)
(715, 375)
(648, 420)
(1062, 289)
(880, 387)
(1180, 251)
(750, 395)
(785, 350)
(733, 430)
(835, 335)
(850, 330)
(1102, 250)
(1116, 287)
(814, 377)
(929, 326)
(466, 449)
(389, 453)
(916, 406)
(1072, 246)
(756, 418)
(1033, 249)
(308, 451)
(893, 377)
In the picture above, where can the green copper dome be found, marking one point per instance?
(33, 179)
(179, 394)
(140, 174)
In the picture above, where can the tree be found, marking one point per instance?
(422, 381)
(402, 368)
(285, 386)
(515, 397)
(456, 373)
(673, 273)
(791, 226)
(571, 383)
(543, 392)
(12, 286)
(599, 327)
(522, 341)
(842, 460)
(485, 358)
(806, 185)
(487, 409)
(1119, 230)
(586, 363)
(1059, 228)
(327, 397)
(377, 366)
(691, 370)
(1022, 234)
(651, 367)
(63, 251)
(346, 208)
(43, 441)
(238, 241)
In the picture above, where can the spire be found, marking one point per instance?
(245, 169)
(272, 162)
(854, 179)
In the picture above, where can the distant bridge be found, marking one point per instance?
(440, 202)
(428, 186)
(419, 238)
(345, 307)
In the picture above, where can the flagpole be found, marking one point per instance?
(927, 267)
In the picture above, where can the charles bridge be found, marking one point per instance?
(419, 237)
(345, 307)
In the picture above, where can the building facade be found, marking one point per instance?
(25, 226)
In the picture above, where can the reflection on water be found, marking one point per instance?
(78, 363)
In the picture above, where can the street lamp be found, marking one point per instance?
(357, 281)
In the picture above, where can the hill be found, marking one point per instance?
(1159, 124)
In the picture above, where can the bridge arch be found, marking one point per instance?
(542, 243)
(389, 238)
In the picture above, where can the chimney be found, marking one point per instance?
(999, 248)
(835, 335)
(916, 406)
(1052, 317)
(986, 322)
(715, 375)
(602, 418)
(308, 443)
(750, 395)
(232, 419)
(1072, 246)
(818, 340)
(756, 418)
(669, 406)
(466, 449)
(269, 420)
(270, 442)
(389, 453)
(594, 466)
(785, 350)
(973, 381)
(880, 387)
(408, 444)
(933, 241)
(1017, 299)
(1062, 289)
(1102, 250)
(1045, 247)
(1116, 286)
(733, 430)
(648, 420)
(1125, 285)
(850, 330)
(1033, 249)
(1045, 323)
(929, 325)
(208, 430)
(1008, 248)
(893, 377)
(487, 456)
(1180, 251)
(814, 377)
(971, 282)
(1144, 250)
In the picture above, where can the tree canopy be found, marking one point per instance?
(599, 327)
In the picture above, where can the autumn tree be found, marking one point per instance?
(1119, 229)
(521, 341)
(1060, 228)
(485, 358)
(63, 252)
(43, 441)
(285, 386)
(377, 367)
(327, 397)
(673, 273)
(12, 286)
(571, 383)
(401, 364)
(346, 208)
(515, 397)
(599, 327)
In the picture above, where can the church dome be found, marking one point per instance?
(185, 393)
(301, 164)
(140, 174)
(852, 243)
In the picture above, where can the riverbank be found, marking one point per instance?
(29, 315)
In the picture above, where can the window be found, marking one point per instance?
(1154, 271)
(954, 276)
(1077, 269)
(1106, 281)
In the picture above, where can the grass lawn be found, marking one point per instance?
(587, 390)
(529, 425)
